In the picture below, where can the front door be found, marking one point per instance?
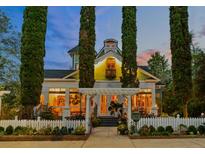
(105, 103)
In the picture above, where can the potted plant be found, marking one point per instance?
(115, 108)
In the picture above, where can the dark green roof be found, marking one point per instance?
(75, 49)
(57, 73)
(145, 68)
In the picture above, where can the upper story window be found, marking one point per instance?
(110, 63)
(110, 69)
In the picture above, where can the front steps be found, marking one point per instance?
(108, 121)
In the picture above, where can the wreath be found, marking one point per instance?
(75, 100)
(60, 100)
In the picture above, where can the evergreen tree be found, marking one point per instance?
(159, 67)
(197, 104)
(199, 80)
(9, 67)
(181, 55)
(87, 47)
(32, 54)
(9, 51)
(129, 47)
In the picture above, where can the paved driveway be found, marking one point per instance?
(106, 137)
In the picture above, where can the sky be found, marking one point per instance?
(63, 25)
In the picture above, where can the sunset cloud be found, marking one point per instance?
(144, 56)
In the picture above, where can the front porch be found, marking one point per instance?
(86, 101)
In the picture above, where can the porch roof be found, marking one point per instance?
(109, 91)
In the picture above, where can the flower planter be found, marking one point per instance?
(166, 137)
(44, 138)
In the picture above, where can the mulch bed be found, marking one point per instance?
(44, 138)
(166, 137)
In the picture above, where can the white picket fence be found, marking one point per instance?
(38, 124)
(170, 121)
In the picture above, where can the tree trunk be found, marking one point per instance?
(185, 110)
(27, 112)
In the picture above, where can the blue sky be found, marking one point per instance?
(152, 35)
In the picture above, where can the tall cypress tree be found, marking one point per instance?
(181, 55)
(129, 47)
(32, 54)
(87, 47)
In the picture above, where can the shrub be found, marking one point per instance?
(35, 132)
(70, 130)
(192, 129)
(144, 130)
(9, 130)
(160, 129)
(96, 122)
(133, 129)
(80, 130)
(169, 129)
(64, 131)
(122, 128)
(48, 131)
(156, 133)
(41, 131)
(56, 131)
(1, 129)
(29, 131)
(183, 129)
(165, 133)
(47, 115)
(151, 129)
(201, 129)
(18, 130)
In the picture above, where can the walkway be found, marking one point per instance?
(106, 137)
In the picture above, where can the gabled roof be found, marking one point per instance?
(60, 74)
(115, 49)
(57, 73)
(146, 68)
(73, 50)
(109, 53)
(102, 52)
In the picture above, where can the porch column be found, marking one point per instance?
(98, 103)
(129, 118)
(45, 93)
(108, 99)
(66, 111)
(154, 106)
(94, 105)
(87, 115)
